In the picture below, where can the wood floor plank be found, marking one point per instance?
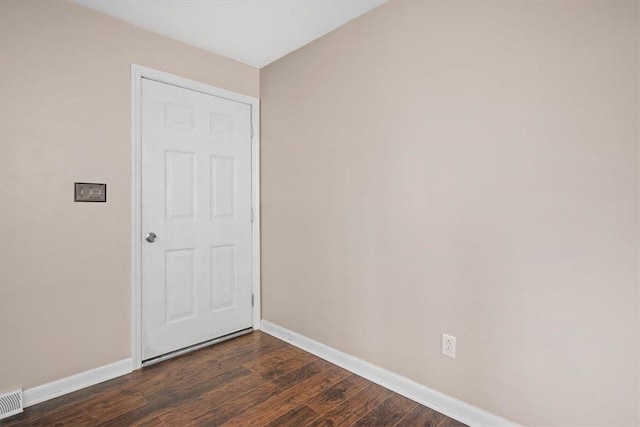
(388, 412)
(243, 358)
(288, 399)
(194, 385)
(308, 370)
(156, 377)
(209, 365)
(228, 353)
(98, 409)
(205, 403)
(421, 416)
(351, 410)
(450, 422)
(301, 415)
(172, 398)
(277, 368)
(241, 349)
(57, 405)
(153, 422)
(253, 380)
(336, 394)
(280, 355)
(220, 414)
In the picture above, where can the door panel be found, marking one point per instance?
(179, 284)
(196, 196)
(180, 185)
(223, 187)
(223, 280)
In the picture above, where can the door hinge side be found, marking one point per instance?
(251, 131)
(252, 215)
(252, 300)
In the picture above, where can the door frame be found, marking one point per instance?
(139, 72)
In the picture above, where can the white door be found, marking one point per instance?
(196, 198)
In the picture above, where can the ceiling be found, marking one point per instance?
(254, 32)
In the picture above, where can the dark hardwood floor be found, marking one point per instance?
(253, 380)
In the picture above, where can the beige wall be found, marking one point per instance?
(469, 168)
(65, 117)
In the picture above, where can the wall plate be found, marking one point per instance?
(90, 192)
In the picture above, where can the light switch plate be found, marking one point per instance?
(90, 192)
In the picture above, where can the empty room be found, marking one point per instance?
(320, 213)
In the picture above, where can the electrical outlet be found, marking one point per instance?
(449, 345)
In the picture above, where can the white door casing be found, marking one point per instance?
(195, 190)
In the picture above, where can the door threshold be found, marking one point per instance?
(194, 347)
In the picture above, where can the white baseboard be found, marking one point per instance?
(32, 396)
(410, 389)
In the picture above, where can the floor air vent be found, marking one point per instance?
(10, 404)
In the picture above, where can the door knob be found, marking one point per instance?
(151, 237)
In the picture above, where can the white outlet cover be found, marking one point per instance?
(449, 345)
